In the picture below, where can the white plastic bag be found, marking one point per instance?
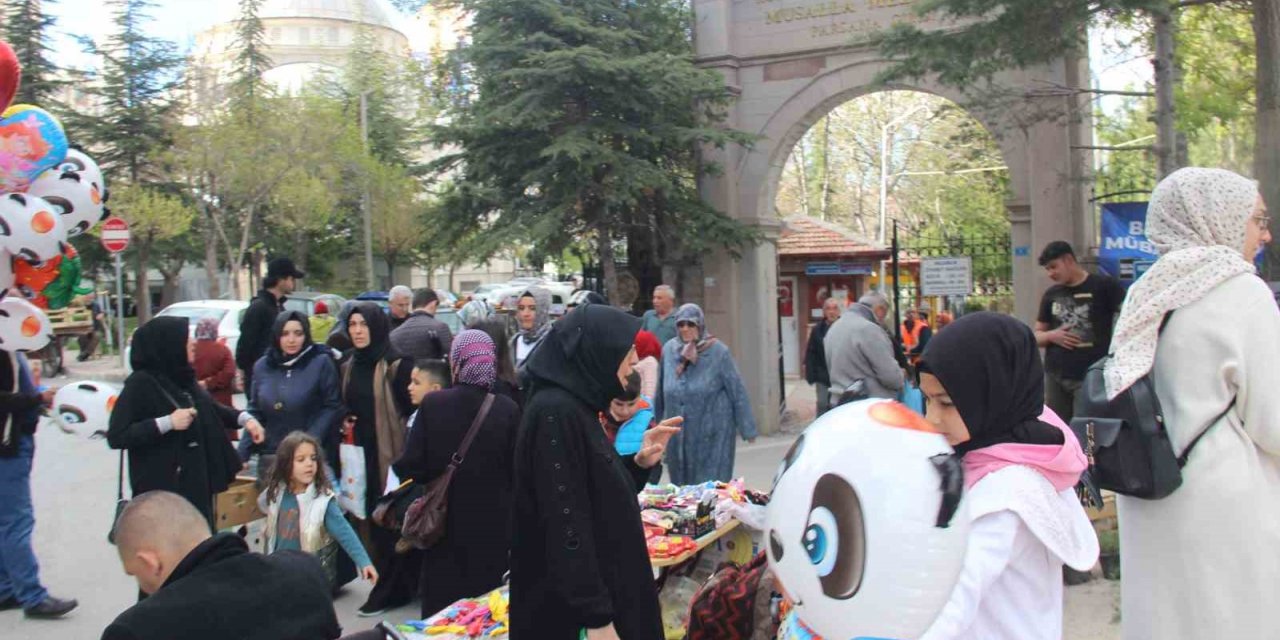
(352, 492)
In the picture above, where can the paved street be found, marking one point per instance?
(74, 486)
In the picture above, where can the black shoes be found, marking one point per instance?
(51, 607)
(9, 604)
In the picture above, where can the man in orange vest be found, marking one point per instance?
(916, 333)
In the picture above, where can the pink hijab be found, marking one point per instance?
(1060, 464)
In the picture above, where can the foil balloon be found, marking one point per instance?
(866, 527)
(31, 142)
(30, 228)
(23, 327)
(84, 408)
(30, 280)
(10, 75)
(72, 194)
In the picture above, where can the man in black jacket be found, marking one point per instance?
(255, 328)
(212, 587)
(20, 405)
(815, 356)
(422, 336)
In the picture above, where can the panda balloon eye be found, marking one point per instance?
(822, 541)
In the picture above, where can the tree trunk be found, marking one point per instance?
(1266, 155)
(453, 286)
(604, 249)
(301, 250)
(211, 255)
(802, 174)
(1166, 147)
(141, 288)
(824, 198)
(169, 291)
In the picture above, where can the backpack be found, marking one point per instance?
(1126, 440)
(735, 603)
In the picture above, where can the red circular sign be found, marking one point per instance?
(115, 235)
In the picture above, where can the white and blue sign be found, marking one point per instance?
(1126, 253)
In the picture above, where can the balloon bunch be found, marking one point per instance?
(48, 192)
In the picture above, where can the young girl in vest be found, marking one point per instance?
(984, 382)
(301, 512)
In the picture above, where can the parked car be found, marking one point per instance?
(305, 301)
(450, 317)
(381, 297)
(486, 292)
(228, 312)
(447, 298)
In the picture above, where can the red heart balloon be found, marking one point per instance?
(10, 74)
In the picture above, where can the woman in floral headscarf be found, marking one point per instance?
(701, 382)
(533, 321)
(472, 556)
(1190, 559)
(215, 366)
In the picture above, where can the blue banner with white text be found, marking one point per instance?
(1125, 253)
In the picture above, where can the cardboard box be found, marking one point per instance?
(236, 506)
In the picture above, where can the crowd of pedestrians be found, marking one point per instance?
(548, 431)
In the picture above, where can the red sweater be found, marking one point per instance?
(216, 368)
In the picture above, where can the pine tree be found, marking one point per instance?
(248, 88)
(390, 98)
(26, 25)
(138, 77)
(584, 123)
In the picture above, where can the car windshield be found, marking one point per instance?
(297, 304)
(194, 313)
(452, 320)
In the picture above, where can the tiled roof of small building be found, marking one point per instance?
(805, 236)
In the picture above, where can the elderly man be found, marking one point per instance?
(661, 319)
(815, 356)
(212, 587)
(422, 335)
(879, 306)
(399, 300)
(860, 357)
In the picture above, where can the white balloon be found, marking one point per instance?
(30, 227)
(6, 269)
(23, 326)
(853, 524)
(81, 163)
(72, 195)
(84, 408)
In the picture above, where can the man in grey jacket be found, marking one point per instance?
(422, 335)
(858, 349)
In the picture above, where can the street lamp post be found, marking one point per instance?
(364, 197)
(884, 164)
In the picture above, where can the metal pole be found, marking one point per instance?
(120, 311)
(897, 313)
(364, 197)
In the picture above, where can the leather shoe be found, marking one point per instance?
(9, 603)
(51, 607)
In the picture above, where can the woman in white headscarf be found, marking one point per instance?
(1201, 563)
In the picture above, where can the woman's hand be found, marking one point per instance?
(370, 574)
(256, 433)
(654, 446)
(182, 419)
(603, 633)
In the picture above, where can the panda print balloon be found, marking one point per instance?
(866, 525)
(30, 228)
(73, 196)
(84, 408)
(23, 326)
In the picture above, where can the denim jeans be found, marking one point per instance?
(19, 572)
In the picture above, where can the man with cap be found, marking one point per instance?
(255, 328)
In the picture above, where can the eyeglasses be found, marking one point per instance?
(686, 323)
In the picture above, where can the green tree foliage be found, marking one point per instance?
(136, 92)
(26, 28)
(584, 120)
(248, 88)
(393, 91)
(154, 216)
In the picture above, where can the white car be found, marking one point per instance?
(228, 312)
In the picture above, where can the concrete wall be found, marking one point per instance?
(790, 62)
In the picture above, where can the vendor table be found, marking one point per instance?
(703, 542)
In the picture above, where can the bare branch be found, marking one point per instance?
(1104, 148)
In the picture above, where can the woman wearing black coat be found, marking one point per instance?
(176, 434)
(472, 556)
(375, 390)
(295, 388)
(578, 557)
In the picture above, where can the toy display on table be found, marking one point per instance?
(671, 514)
(483, 617)
(867, 529)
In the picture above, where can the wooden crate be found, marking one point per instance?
(236, 506)
(70, 320)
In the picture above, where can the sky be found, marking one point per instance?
(180, 20)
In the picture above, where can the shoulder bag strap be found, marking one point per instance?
(1186, 453)
(461, 453)
(120, 479)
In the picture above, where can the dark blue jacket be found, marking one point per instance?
(302, 396)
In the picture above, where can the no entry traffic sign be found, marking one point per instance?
(115, 235)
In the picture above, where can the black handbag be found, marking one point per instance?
(424, 522)
(121, 502)
(1126, 439)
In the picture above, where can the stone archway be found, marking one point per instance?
(790, 62)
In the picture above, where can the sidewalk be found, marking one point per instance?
(102, 368)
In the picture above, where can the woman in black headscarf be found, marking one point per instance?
(176, 434)
(375, 389)
(985, 386)
(578, 557)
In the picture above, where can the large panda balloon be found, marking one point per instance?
(84, 408)
(73, 195)
(30, 228)
(866, 526)
(23, 326)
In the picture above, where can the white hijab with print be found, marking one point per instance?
(1196, 220)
